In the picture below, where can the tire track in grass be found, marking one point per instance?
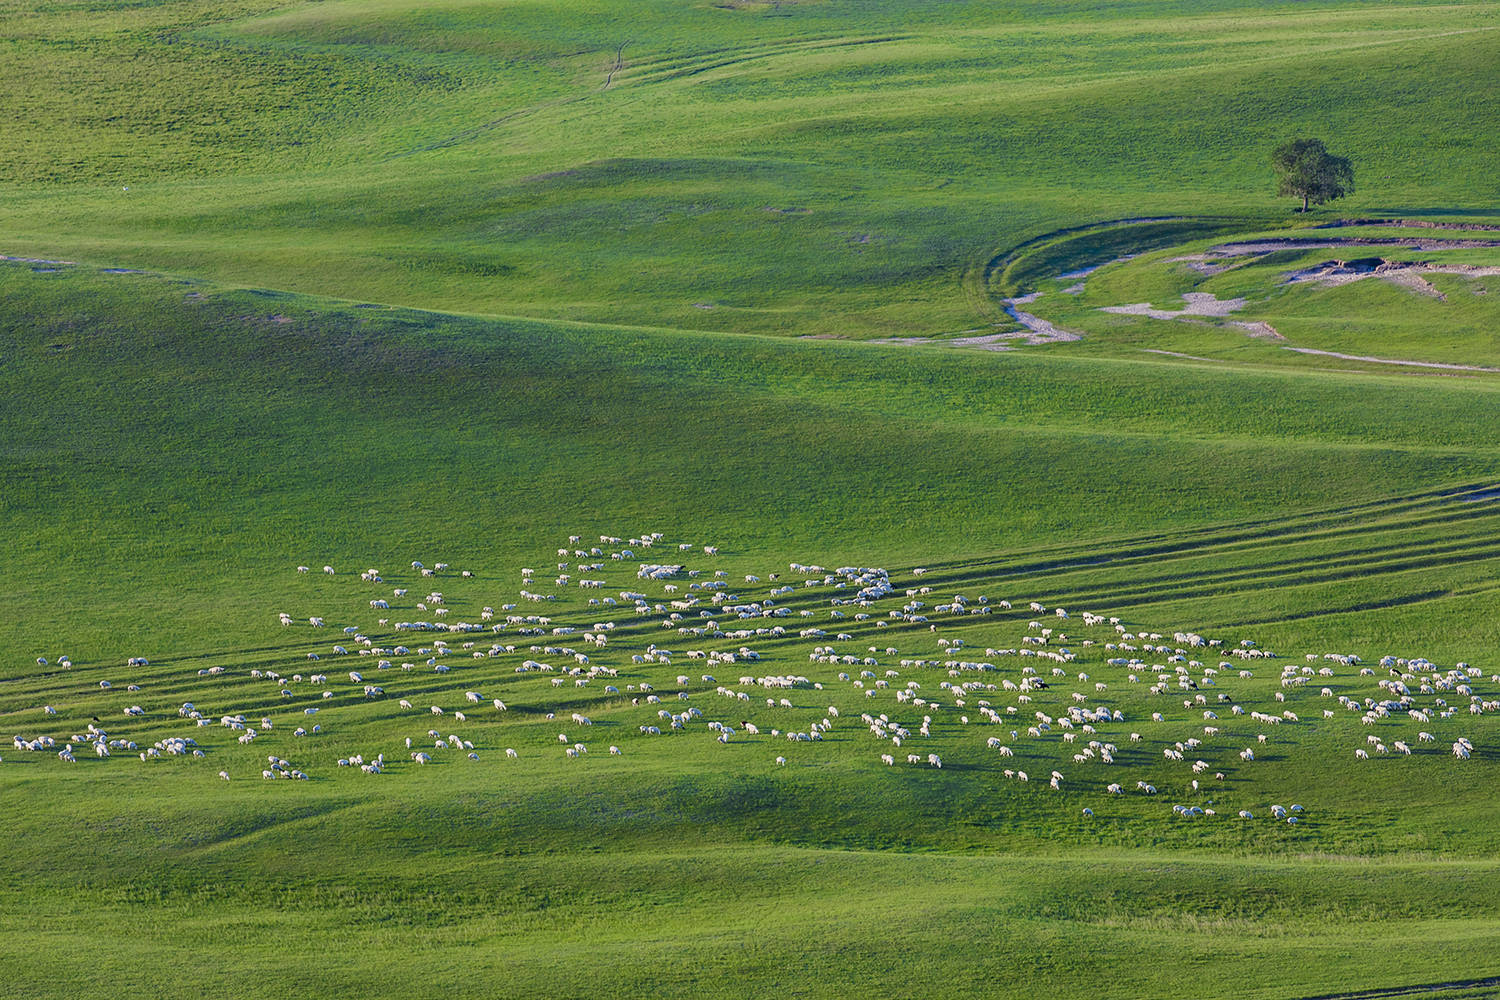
(1196, 568)
(609, 78)
(1383, 605)
(1332, 517)
(1463, 987)
(1154, 558)
(1449, 545)
(663, 70)
(1342, 568)
(1213, 580)
(1091, 558)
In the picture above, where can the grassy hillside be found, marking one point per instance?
(369, 282)
(174, 441)
(796, 168)
(178, 448)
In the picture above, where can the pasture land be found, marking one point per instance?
(240, 434)
(366, 283)
(791, 169)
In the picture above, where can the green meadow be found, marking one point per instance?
(366, 284)
(784, 169)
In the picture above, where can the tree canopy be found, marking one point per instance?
(1305, 169)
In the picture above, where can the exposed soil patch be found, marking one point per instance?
(1084, 272)
(1407, 274)
(1210, 263)
(1038, 330)
(1258, 329)
(1177, 354)
(1195, 304)
(988, 342)
(1198, 306)
(1208, 268)
(1337, 272)
(1409, 279)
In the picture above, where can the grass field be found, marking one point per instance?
(360, 284)
(796, 169)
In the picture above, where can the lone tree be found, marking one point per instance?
(1305, 168)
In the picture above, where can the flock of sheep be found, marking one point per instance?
(1075, 701)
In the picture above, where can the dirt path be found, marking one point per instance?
(1272, 244)
(1477, 227)
(1392, 361)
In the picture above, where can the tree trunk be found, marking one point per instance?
(1305, 196)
